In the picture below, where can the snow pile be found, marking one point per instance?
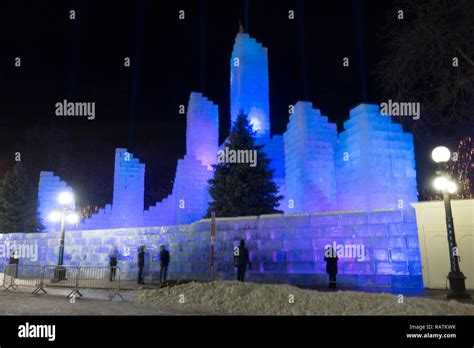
(231, 297)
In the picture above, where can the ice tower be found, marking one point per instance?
(249, 92)
(310, 142)
(202, 129)
(375, 163)
(193, 172)
(189, 199)
(249, 83)
(129, 186)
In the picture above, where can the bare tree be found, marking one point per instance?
(430, 59)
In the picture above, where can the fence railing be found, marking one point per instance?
(9, 272)
(29, 276)
(74, 278)
(102, 277)
(61, 277)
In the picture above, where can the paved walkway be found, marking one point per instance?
(22, 302)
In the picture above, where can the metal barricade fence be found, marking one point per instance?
(29, 276)
(9, 272)
(100, 278)
(62, 277)
(68, 277)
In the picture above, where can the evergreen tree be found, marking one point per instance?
(239, 189)
(18, 203)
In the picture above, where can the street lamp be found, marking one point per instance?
(65, 213)
(65, 198)
(443, 183)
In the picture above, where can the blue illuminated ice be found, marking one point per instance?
(310, 141)
(375, 163)
(249, 83)
(129, 186)
(369, 166)
(189, 199)
(202, 129)
(50, 186)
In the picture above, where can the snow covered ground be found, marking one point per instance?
(231, 297)
(225, 298)
(55, 303)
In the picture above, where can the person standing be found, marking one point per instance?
(113, 256)
(241, 260)
(13, 263)
(331, 258)
(141, 264)
(164, 263)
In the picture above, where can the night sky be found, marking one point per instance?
(82, 60)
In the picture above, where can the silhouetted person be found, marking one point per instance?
(241, 260)
(14, 260)
(113, 256)
(141, 264)
(164, 262)
(331, 258)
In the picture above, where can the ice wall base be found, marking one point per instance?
(283, 249)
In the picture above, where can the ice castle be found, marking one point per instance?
(353, 188)
(368, 166)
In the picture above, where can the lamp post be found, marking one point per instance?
(65, 199)
(213, 234)
(443, 183)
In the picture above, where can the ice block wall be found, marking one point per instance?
(129, 186)
(189, 198)
(162, 213)
(191, 192)
(249, 83)
(379, 249)
(50, 186)
(202, 129)
(100, 220)
(310, 142)
(190, 189)
(375, 163)
(128, 196)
